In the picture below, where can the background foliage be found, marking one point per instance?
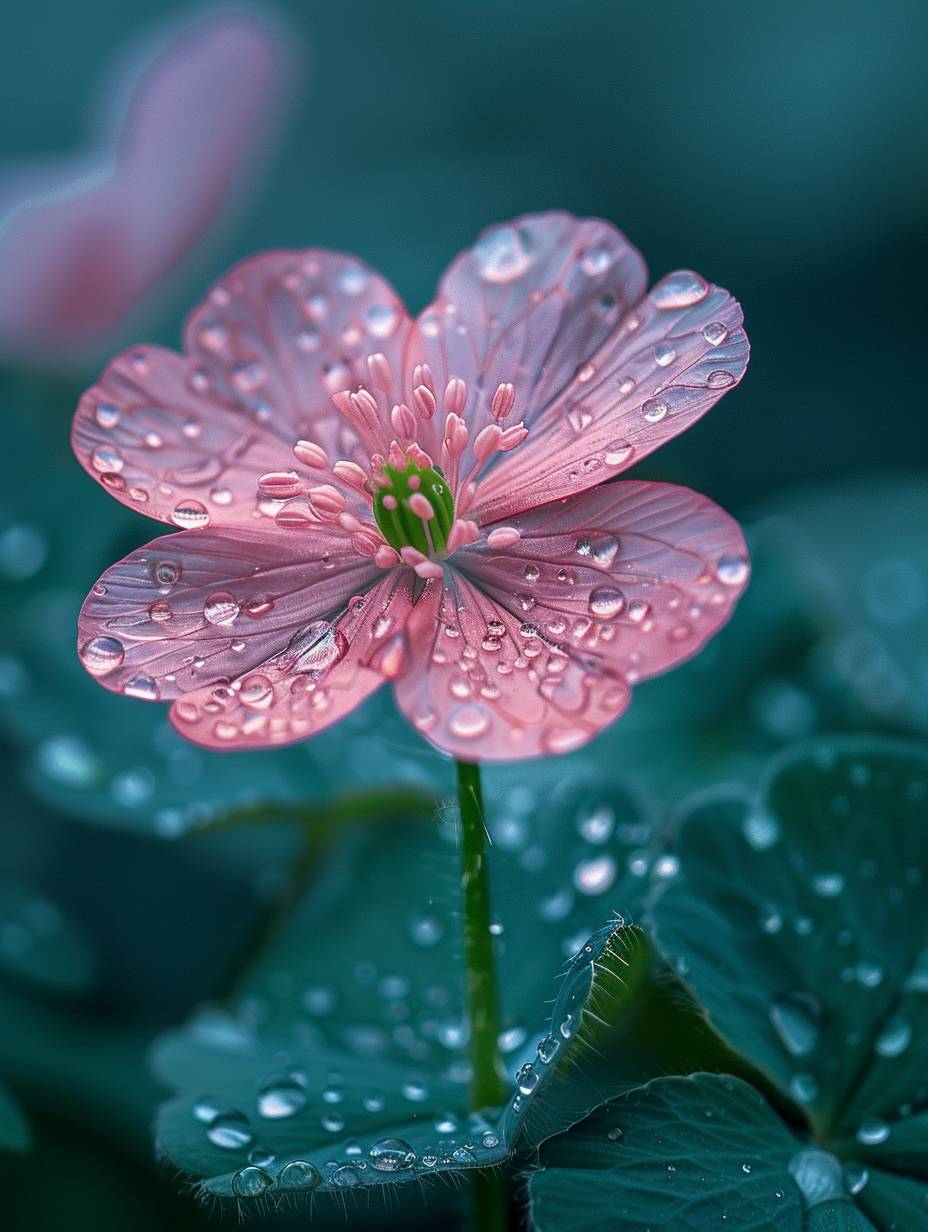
(776, 150)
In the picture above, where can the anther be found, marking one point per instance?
(311, 454)
(503, 400)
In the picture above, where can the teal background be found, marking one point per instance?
(778, 149)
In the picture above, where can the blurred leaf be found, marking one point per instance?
(40, 944)
(684, 1153)
(352, 1028)
(15, 1134)
(801, 922)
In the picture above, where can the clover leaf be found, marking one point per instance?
(343, 1063)
(800, 921)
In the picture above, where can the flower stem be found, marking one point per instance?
(487, 1086)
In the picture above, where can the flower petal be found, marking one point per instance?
(75, 260)
(485, 684)
(637, 574)
(668, 362)
(526, 305)
(186, 440)
(292, 699)
(190, 609)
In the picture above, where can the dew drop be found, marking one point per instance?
(606, 602)
(190, 515)
(392, 1155)
(299, 1174)
(681, 289)
(873, 1132)
(468, 722)
(715, 333)
(895, 1038)
(315, 648)
(501, 255)
(595, 876)
(818, 1174)
(250, 1182)
(102, 655)
(230, 1130)
(221, 608)
(281, 1096)
(654, 410)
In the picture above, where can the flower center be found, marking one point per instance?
(414, 508)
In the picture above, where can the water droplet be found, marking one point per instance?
(872, 1132)
(221, 608)
(720, 379)
(527, 1079)
(595, 876)
(502, 255)
(606, 602)
(345, 1177)
(818, 1174)
(490, 1140)
(681, 289)
(231, 1131)
(468, 722)
(803, 1087)
(761, 830)
(618, 453)
(654, 410)
(392, 1155)
(828, 885)
(142, 687)
(107, 415)
(299, 1174)
(102, 655)
(426, 930)
(796, 1017)
(107, 460)
(732, 570)
(190, 515)
(281, 1096)
(596, 260)
(315, 648)
(894, 1038)
(856, 1177)
(715, 333)
(415, 1090)
(250, 1182)
(664, 354)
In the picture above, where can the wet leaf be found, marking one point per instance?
(40, 944)
(15, 1134)
(352, 1032)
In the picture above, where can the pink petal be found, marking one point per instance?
(186, 440)
(84, 242)
(190, 609)
(638, 575)
(284, 331)
(279, 704)
(667, 363)
(481, 684)
(527, 305)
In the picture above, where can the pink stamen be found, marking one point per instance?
(503, 400)
(386, 557)
(381, 373)
(512, 437)
(348, 522)
(425, 401)
(420, 506)
(503, 537)
(311, 454)
(414, 482)
(456, 395)
(351, 474)
(463, 531)
(326, 502)
(390, 501)
(422, 375)
(487, 442)
(403, 421)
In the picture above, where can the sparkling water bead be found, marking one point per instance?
(401, 526)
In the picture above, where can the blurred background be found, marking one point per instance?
(779, 150)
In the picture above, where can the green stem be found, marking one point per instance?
(487, 1086)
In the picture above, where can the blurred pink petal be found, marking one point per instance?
(482, 684)
(280, 333)
(193, 608)
(638, 575)
(405, 502)
(300, 695)
(75, 259)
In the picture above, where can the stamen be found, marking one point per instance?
(326, 502)
(386, 557)
(420, 506)
(502, 401)
(456, 395)
(512, 436)
(487, 442)
(403, 421)
(381, 373)
(351, 474)
(425, 401)
(503, 537)
(422, 375)
(311, 454)
(463, 531)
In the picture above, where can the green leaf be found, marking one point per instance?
(801, 922)
(15, 1134)
(684, 1153)
(40, 944)
(352, 1028)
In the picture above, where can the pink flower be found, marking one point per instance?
(364, 497)
(90, 235)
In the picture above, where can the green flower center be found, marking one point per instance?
(398, 520)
